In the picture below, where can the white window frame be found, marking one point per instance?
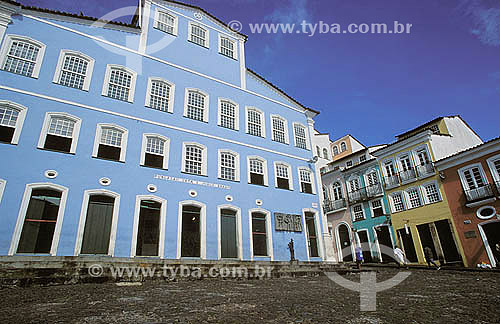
(24, 208)
(107, 77)
(308, 145)
(354, 219)
(311, 173)
(239, 236)
(203, 227)
(461, 174)
(206, 108)
(408, 200)
(343, 147)
(97, 139)
(264, 167)
(337, 191)
(60, 63)
(399, 163)
(269, 233)
(170, 107)
(236, 113)
(46, 124)
(494, 173)
(236, 164)
(203, 157)
(415, 152)
(163, 217)
(371, 206)
(391, 201)
(285, 123)
(384, 170)
(424, 192)
(290, 176)
(207, 34)
(335, 150)
(4, 50)
(262, 120)
(83, 218)
(20, 118)
(235, 47)
(166, 148)
(157, 19)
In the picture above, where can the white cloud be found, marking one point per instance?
(292, 11)
(486, 19)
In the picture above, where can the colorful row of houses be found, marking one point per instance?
(436, 186)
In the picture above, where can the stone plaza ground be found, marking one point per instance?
(427, 296)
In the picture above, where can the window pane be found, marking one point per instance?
(119, 84)
(21, 58)
(73, 71)
(278, 130)
(198, 35)
(254, 123)
(61, 126)
(159, 96)
(193, 160)
(195, 105)
(227, 47)
(8, 116)
(227, 114)
(166, 22)
(300, 136)
(111, 136)
(228, 166)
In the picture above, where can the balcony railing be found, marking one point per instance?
(476, 194)
(425, 170)
(332, 205)
(420, 171)
(365, 193)
(391, 181)
(408, 175)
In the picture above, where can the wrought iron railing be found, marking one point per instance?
(480, 193)
(420, 171)
(408, 175)
(365, 193)
(332, 205)
(425, 170)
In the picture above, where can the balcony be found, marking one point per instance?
(365, 193)
(333, 205)
(481, 193)
(408, 175)
(420, 172)
(425, 170)
(391, 181)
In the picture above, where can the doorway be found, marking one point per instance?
(406, 240)
(447, 239)
(98, 223)
(424, 232)
(191, 234)
(345, 243)
(229, 245)
(385, 243)
(148, 232)
(491, 237)
(365, 245)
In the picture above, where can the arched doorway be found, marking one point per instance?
(344, 243)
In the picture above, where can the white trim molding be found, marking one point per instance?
(83, 219)
(46, 124)
(24, 208)
(307, 144)
(206, 40)
(124, 140)
(494, 172)
(290, 175)
(285, 128)
(88, 73)
(269, 236)
(206, 103)
(170, 98)
(157, 22)
(3, 183)
(163, 217)
(107, 77)
(166, 148)
(262, 121)
(311, 177)
(204, 161)
(239, 236)
(236, 113)
(264, 168)
(234, 44)
(7, 43)
(203, 227)
(319, 238)
(21, 110)
(236, 157)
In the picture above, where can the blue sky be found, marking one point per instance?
(371, 86)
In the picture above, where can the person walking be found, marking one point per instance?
(429, 257)
(399, 256)
(359, 256)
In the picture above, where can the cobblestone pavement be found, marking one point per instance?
(425, 297)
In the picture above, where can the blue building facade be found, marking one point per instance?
(152, 140)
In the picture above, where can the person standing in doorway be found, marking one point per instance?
(399, 256)
(359, 256)
(429, 257)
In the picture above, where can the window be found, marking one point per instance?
(160, 95)
(166, 22)
(312, 237)
(397, 202)
(306, 184)
(472, 177)
(354, 185)
(337, 191)
(434, 129)
(362, 158)
(259, 234)
(12, 117)
(280, 129)
(22, 55)
(432, 193)
(198, 35)
(348, 164)
(60, 132)
(283, 175)
(358, 212)
(377, 208)
(194, 159)
(325, 193)
(228, 114)
(335, 150)
(372, 178)
(119, 83)
(494, 164)
(196, 105)
(325, 154)
(229, 165)
(74, 70)
(389, 169)
(110, 142)
(227, 47)
(300, 136)
(343, 147)
(257, 169)
(414, 200)
(318, 151)
(255, 122)
(422, 157)
(155, 151)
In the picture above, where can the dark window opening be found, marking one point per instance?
(58, 143)
(306, 187)
(6, 134)
(312, 238)
(378, 211)
(259, 234)
(365, 246)
(257, 179)
(345, 243)
(408, 246)
(40, 221)
(191, 236)
(109, 152)
(98, 223)
(283, 183)
(153, 160)
(148, 232)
